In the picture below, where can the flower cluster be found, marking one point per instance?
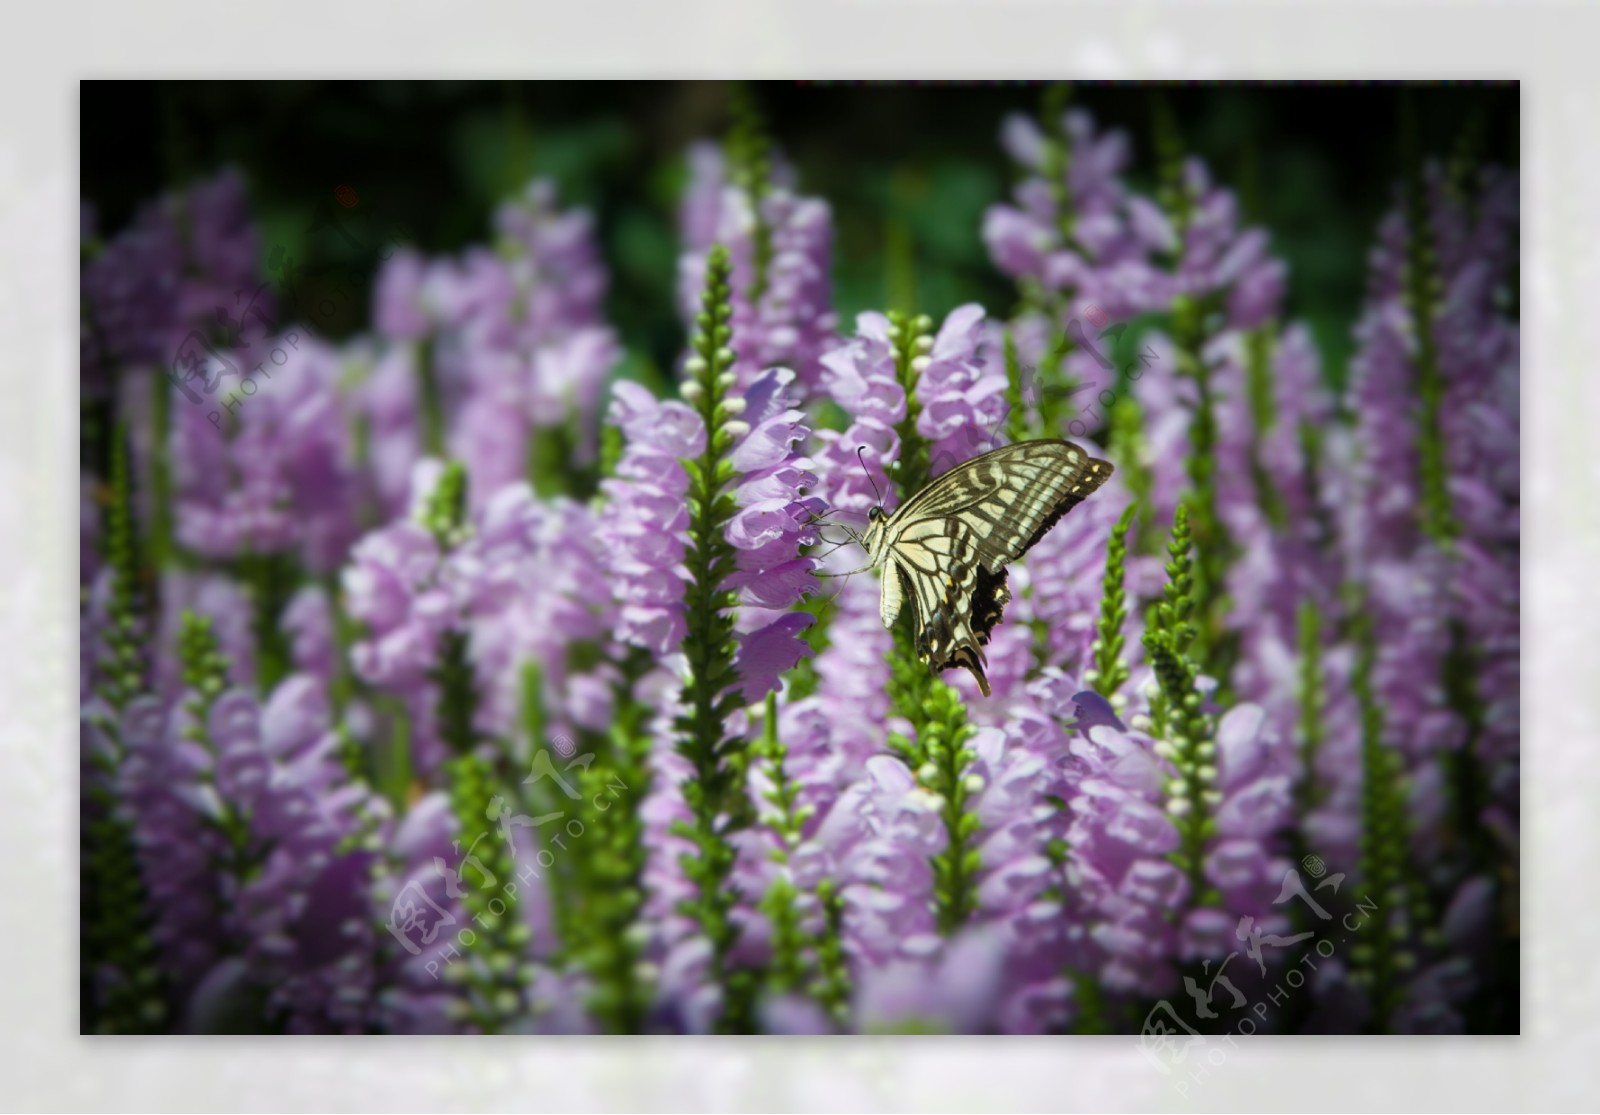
(446, 683)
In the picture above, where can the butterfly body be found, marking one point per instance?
(944, 551)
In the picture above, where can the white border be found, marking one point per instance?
(43, 1064)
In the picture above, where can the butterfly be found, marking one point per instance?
(945, 550)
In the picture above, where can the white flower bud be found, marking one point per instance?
(737, 428)
(691, 390)
(733, 406)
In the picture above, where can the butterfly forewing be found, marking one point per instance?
(945, 549)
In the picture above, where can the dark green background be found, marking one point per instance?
(908, 170)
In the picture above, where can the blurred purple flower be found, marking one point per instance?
(171, 800)
(306, 912)
(132, 287)
(1106, 258)
(285, 480)
(792, 322)
(643, 523)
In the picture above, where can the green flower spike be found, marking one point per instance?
(715, 793)
(1186, 733)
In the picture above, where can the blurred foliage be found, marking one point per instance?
(908, 170)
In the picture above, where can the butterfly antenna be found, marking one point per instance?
(877, 495)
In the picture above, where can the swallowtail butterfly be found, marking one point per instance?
(946, 548)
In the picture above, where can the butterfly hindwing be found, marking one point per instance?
(949, 544)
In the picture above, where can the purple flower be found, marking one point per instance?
(558, 269)
(961, 390)
(540, 595)
(1255, 771)
(306, 913)
(309, 621)
(1097, 250)
(876, 842)
(410, 896)
(189, 261)
(1094, 710)
(222, 274)
(400, 311)
(1117, 876)
(1416, 587)
(389, 403)
(774, 521)
(859, 376)
(131, 290)
(221, 599)
(166, 785)
(393, 586)
(642, 526)
(284, 481)
(952, 989)
(514, 338)
(765, 654)
(791, 323)
(854, 673)
(1020, 893)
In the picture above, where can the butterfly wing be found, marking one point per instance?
(950, 543)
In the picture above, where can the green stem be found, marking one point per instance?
(751, 160)
(1382, 838)
(1110, 669)
(1422, 298)
(161, 475)
(432, 401)
(494, 976)
(126, 667)
(1186, 731)
(912, 338)
(1312, 707)
(715, 793)
(271, 577)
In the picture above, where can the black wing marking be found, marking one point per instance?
(951, 541)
